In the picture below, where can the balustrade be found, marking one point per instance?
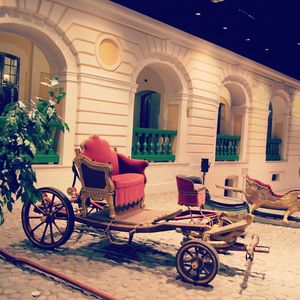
(153, 144)
(227, 147)
(273, 149)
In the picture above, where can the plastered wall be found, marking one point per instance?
(108, 47)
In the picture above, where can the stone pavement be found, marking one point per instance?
(146, 270)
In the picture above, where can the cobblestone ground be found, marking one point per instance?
(146, 270)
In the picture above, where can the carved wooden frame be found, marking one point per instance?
(107, 193)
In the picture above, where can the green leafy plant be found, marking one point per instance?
(26, 131)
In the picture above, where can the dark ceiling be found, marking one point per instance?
(266, 31)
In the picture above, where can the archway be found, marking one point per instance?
(277, 128)
(232, 119)
(157, 113)
(42, 53)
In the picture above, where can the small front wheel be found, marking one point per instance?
(49, 222)
(197, 262)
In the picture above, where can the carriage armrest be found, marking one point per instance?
(94, 174)
(128, 165)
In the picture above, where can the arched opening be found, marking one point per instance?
(29, 57)
(277, 126)
(231, 122)
(156, 113)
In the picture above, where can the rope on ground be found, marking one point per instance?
(91, 290)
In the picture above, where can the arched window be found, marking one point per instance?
(9, 79)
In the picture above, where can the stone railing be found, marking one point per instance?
(153, 144)
(227, 147)
(273, 149)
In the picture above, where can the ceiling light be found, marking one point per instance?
(247, 39)
(216, 1)
(198, 13)
(267, 49)
(225, 27)
(298, 43)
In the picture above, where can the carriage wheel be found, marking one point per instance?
(197, 262)
(49, 222)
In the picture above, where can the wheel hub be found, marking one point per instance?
(197, 262)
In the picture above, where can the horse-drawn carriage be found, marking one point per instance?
(111, 199)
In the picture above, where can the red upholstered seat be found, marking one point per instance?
(128, 175)
(129, 188)
(187, 194)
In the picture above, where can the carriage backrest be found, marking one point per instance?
(99, 150)
(187, 194)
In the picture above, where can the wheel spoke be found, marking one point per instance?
(34, 217)
(206, 271)
(57, 228)
(38, 208)
(187, 265)
(189, 253)
(51, 204)
(187, 260)
(196, 250)
(44, 233)
(43, 200)
(37, 226)
(61, 218)
(51, 233)
(58, 209)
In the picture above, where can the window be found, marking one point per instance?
(9, 79)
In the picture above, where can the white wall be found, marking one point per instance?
(103, 103)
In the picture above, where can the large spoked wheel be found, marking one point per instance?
(197, 262)
(49, 222)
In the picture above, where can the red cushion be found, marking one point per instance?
(129, 188)
(127, 180)
(99, 150)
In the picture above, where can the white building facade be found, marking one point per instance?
(124, 72)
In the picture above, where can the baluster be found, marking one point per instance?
(145, 146)
(151, 147)
(138, 144)
(169, 148)
(163, 144)
(157, 144)
(225, 147)
(235, 147)
(230, 148)
(221, 146)
(217, 146)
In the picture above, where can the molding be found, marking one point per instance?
(147, 25)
